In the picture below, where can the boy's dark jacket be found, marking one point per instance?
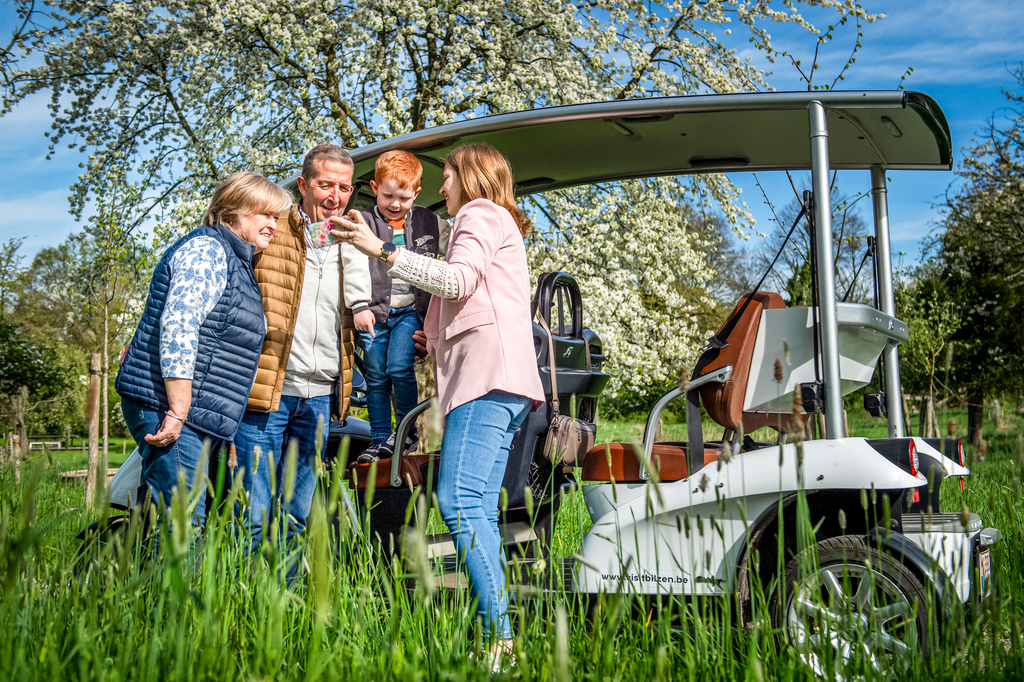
(421, 236)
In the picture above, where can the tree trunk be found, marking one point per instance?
(18, 402)
(975, 414)
(929, 422)
(94, 478)
(906, 412)
(103, 391)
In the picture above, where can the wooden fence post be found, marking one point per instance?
(16, 455)
(94, 477)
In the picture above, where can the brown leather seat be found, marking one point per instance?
(711, 450)
(410, 469)
(724, 402)
(619, 462)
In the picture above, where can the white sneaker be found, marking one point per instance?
(498, 662)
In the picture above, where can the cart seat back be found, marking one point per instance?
(411, 470)
(620, 462)
(724, 401)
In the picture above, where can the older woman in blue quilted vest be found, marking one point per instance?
(186, 375)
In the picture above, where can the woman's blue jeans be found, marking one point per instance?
(474, 452)
(161, 465)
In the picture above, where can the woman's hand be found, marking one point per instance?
(168, 433)
(179, 399)
(352, 228)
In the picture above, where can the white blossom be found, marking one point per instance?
(172, 96)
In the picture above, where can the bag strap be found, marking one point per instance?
(551, 363)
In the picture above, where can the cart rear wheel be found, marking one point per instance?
(849, 606)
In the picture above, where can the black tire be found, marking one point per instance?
(848, 606)
(96, 541)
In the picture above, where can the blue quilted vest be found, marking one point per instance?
(230, 341)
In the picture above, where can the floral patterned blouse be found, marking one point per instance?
(199, 273)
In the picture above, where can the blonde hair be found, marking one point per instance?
(246, 193)
(484, 173)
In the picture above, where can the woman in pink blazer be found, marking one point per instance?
(479, 334)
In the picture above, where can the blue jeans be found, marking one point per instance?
(295, 419)
(161, 465)
(389, 359)
(474, 452)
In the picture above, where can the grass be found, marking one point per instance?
(205, 609)
(77, 458)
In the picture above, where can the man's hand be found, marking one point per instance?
(419, 341)
(363, 320)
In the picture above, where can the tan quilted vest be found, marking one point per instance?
(279, 271)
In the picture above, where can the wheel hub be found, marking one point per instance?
(851, 614)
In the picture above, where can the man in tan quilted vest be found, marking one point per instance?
(316, 292)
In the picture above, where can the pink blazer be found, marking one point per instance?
(483, 340)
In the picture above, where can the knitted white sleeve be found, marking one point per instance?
(426, 272)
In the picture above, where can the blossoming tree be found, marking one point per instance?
(171, 96)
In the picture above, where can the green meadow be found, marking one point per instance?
(197, 607)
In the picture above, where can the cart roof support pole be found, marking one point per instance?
(828, 324)
(886, 299)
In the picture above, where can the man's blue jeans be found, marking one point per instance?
(474, 452)
(389, 359)
(272, 432)
(161, 465)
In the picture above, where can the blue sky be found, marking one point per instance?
(960, 53)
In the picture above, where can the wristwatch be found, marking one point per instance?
(386, 249)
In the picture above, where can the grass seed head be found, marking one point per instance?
(319, 443)
(291, 468)
(726, 455)
(684, 378)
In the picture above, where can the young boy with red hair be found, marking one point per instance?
(388, 352)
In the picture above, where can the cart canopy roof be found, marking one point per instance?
(581, 144)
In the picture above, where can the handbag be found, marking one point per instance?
(568, 438)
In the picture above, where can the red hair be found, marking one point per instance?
(400, 166)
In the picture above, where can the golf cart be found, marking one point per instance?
(845, 533)
(706, 517)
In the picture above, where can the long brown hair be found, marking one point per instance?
(485, 174)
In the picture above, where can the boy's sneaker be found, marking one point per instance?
(412, 441)
(388, 446)
(375, 452)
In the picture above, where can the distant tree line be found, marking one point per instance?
(966, 304)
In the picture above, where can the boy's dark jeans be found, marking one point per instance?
(389, 358)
